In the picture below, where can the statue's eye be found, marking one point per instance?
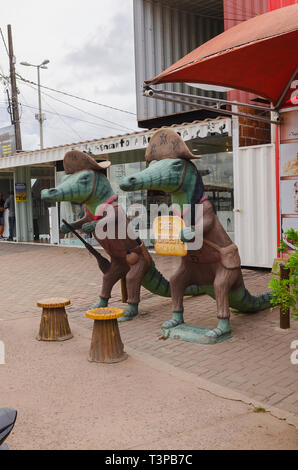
(85, 178)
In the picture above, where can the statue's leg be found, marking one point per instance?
(117, 270)
(133, 283)
(179, 281)
(222, 285)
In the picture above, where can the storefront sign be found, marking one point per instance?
(198, 130)
(219, 127)
(289, 125)
(289, 114)
(21, 192)
(289, 162)
(7, 141)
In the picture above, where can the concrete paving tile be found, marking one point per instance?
(256, 360)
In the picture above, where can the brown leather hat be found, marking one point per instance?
(75, 161)
(166, 143)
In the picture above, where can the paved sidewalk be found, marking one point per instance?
(255, 362)
(66, 402)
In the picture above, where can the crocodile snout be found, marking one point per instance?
(128, 183)
(48, 193)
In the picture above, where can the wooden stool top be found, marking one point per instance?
(105, 313)
(53, 302)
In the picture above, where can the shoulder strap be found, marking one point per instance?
(221, 249)
(213, 245)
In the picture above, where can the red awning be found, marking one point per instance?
(259, 56)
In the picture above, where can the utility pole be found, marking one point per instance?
(14, 92)
(9, 106)
(40, 115)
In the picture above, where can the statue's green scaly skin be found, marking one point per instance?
(167, 175)
(76, 188)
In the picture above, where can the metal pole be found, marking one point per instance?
(284, 313)
(14, 92)
(211, 108)
(39, 106)
(207, 98)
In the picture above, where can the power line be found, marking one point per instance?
(87, 112)
(74, 96)
(116, 126)
(64, 122)
(5, 45)
(71, 117)
(14, 91)
(51, 127)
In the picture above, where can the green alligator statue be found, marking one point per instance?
(215, 267)
(86, 183)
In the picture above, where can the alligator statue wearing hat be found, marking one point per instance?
(215, 267)
(86, 183)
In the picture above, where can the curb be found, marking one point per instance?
(211, 387)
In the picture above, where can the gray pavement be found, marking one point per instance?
(160, 376)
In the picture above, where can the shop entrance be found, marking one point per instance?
(255, 212)
(6, 187)
(41, 178)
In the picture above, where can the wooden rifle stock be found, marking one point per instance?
(103, 263)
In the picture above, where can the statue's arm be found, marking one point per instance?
(77, 224)
(107, 223)
(187, 234)
(208, 218)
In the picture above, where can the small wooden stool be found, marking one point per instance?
(54, 324)
(106, 344)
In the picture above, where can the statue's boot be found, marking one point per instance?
(223, 328)
(177, 319)
(102, 303)
(130, 313)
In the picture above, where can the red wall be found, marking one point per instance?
(274, 4)
(235, 12)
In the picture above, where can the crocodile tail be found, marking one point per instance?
(156, 283)
(243, 301)
(194, 290)
(239, 299)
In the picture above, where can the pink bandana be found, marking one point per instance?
(102, 207)
(182, 214)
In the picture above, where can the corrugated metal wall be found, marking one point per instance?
(162, 36)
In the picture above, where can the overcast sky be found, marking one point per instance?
(90, 47)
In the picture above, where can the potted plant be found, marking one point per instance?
(284, 283)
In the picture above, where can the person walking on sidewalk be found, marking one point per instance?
(2, 202)
(9, 204)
